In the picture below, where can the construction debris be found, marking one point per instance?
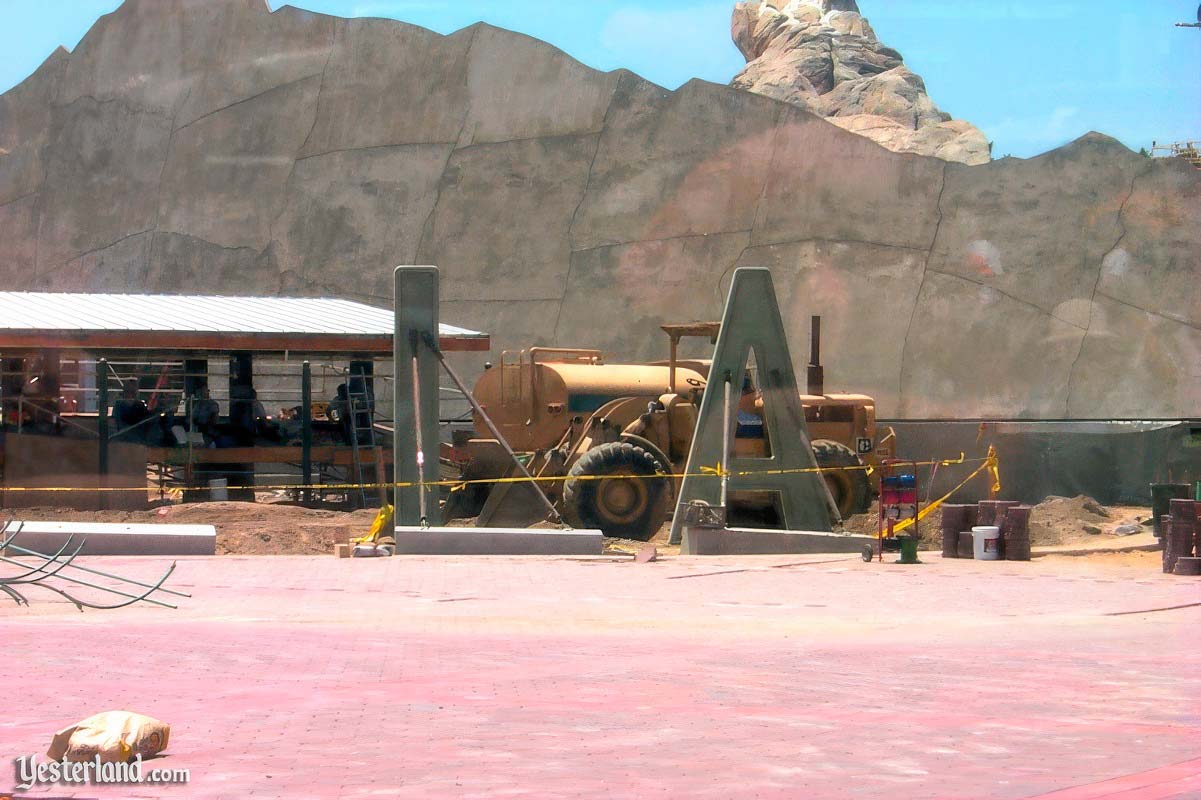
(113, 737)
(646, 555)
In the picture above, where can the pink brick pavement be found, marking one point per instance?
(768, 677)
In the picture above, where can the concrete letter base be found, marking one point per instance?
(411, 540)
(115, 539)
(747, 541)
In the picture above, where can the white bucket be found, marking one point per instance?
(986, 542)
(219, 489)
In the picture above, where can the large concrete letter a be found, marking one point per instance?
(752, 322)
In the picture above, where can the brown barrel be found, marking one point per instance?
(1017, 547)
(966, 548)
(1181, 534)
(986, 512)
(1003, 507)
(1169, 550)
(1187, 566)
(954, 520)
(1184, 517)
(1197, 526)
(1015, 533)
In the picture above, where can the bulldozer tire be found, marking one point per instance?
(656, 453)
(851, 488)
(629, 504)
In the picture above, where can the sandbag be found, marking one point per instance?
(114, 736)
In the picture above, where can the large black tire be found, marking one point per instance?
(632, 504)
(852, 489)
(657, 454)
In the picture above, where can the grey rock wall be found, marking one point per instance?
(214, 146)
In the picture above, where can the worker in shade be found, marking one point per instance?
(206, 413)
(248, 420)
(128, 412)
(353, 408)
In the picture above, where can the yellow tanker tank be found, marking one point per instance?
(537, 397)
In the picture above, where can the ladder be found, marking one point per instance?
(362, 436)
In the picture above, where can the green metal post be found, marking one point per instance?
(102, 428)
(416, 305)
(306, 429)
(102, 414)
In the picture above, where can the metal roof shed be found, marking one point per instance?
(37, 320)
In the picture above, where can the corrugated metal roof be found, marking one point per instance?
(150, 313)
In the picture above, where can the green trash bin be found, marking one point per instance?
(908, 549)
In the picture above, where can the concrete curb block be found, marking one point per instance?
(117, 539)
(497, 542)
(747, 541)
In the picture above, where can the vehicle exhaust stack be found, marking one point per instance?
(816, 375)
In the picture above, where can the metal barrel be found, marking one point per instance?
(954, 520)
(1015, 533)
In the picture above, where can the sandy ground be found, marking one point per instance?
(1146, 561)
(277, 528)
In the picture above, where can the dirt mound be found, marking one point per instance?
(1070, 520)
(272, 528)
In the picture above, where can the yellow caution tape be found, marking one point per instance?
(992, 468)
(460, 485)
(990, 464)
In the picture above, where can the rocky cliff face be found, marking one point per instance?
(822, 55)
(213, 146)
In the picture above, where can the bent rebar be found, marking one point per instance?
(51, 566)
(46, 561)
(102, 574)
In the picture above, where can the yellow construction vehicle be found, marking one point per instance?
(568, 414)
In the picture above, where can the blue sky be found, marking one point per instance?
(1033, 74)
